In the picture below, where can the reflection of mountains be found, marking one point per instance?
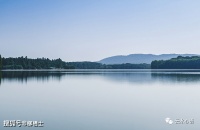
(129, 77)
(153, 77)
(139, 77)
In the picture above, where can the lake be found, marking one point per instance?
(101, 99)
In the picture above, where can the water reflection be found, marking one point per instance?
(131, 76)
(25, 76)
(176, 77)
(153, 77)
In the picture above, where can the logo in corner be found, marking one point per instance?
(169, 121)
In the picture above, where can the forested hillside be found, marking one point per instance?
(139, 58)
(177, 63)
(27, 63)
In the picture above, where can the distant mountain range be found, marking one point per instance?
(140, 58)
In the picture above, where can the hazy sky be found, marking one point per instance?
(89, 30)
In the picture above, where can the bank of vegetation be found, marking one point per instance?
(95, 65)
(28, 63)
(45, 63)
(177, 63)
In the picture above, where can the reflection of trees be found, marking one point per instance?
(152, 77)
(0, 77)
(24, 76)
(129, 77)
(135, 77)
(176, 77)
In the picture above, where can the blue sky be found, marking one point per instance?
(89, 30)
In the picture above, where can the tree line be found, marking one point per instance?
(27, 63)
(177, 63)
(45, 63)
(0, 62)
(95, 65)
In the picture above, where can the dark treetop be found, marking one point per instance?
(177, 63)
(27, 63)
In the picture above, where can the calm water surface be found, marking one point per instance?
(101, 99)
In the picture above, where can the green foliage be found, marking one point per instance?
(39, 63)
(86, 65)
(177, 63)
(0, 62)
(45, 63)
(95, 65)
(129, 66)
